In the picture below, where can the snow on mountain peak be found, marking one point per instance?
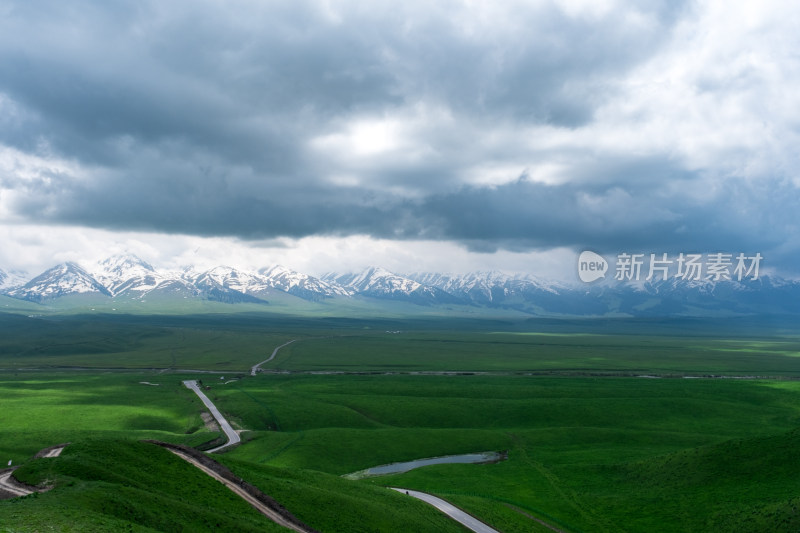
(378, 279)
(119, 266)
(63, 279)
(235, 279)
(300, 284)
(128, 274)
(129, 277)
(122, 262)
(12, 279)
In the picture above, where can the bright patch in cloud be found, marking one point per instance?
(504, 128)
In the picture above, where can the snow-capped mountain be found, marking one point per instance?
(763, 295)
(229, 278)
(128, 277)
(61, 280)
(523, 292)
(227, 285)
(301, 285)
(120, 270)
(11, 280)
(377, 282)
(488, 287)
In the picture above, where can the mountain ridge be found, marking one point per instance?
(126, 277)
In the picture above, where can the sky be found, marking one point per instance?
(450, 136)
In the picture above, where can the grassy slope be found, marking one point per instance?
(332, 504)
(41, 410)
(740, 484)
(122, 485)
(111, 485)
(736, 485)
(569, 438)
(579, 447)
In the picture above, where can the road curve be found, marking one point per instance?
(233, 437)
(450, 510)
(271, 357)
(10, 485)
(52, 451)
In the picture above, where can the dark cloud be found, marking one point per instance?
(201, 118)
(521, 215)
(238, 78)
(525, 215)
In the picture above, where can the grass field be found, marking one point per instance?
(134, 343)
(122, 485)
(580, 448)
(40, 410)
(107, 481)
(590, 446)
(233, 343)
(543, 352)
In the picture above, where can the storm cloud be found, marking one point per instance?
(659, 126)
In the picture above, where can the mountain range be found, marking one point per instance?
(128, 278)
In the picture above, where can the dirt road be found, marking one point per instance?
(260, 501)
(10, 486)
(52, 451)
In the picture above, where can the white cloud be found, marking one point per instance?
(294, 122)
(32, 249)
(722, 97)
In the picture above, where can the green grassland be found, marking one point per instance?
(106, 480)
(331, 503)
(133, 343)
(591, 446)
(122, 485)
(583, 452)
(40, 410)
(233, 343)
(488, 351)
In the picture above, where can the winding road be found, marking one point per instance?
(444, 506)
(450, 510)
(10, 486)
(233, 437)
(257, 367)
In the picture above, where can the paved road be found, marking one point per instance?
(233, 437)
(450, 510)
(271, 357)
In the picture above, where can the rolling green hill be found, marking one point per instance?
(123, 485)
(593, 443)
